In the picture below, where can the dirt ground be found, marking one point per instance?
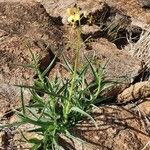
(124, 122)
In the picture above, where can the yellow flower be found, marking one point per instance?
(73, 15)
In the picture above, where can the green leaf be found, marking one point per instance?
(49, 85)
(25, 65)
(22, 101)
(36, 147)
(101, 99)
(26, 119)
(37, 98)
(34, 141)
(33, 56)
(69, 135)
(84, 70)
(33, 112)
(67, 65)
(89, 87)
(93, 69)
(98, 87)
(77, 109)
(39, 90)
(106, 86)
(49, 66)
(35, 105)
(43, 111)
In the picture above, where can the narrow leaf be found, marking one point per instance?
(77, 109)
(69, 135)
(49, 66)
(68, 66)
(39, 90)
(93, 69)
(36, 147)
(34, 140)
(25, 65)
(22, 101)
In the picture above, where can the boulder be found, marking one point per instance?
(120, 66)
(28, 21)
(22, 24)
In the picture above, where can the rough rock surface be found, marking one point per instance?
(58, 8)
(137, 91)
(120, 127)
(121, 67)
(117, 61)
(145, 3)
(21, 24)
(131, 8)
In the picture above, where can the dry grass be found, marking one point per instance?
(141, 49)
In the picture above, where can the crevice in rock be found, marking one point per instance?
(57, 21)
(142, 76)
(8, 114)
(7, 139)
(114, 26)
(46, 60)
(43, 65)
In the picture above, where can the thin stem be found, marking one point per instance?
(69, 101)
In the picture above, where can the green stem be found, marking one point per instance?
(69, 101)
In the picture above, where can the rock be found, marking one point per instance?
(116, 131)
(7, 139)
(131, 8)
(21, 24)
(117, 61)
(121, 67)
(28, 21)
(40, 29)
(144, 107)
(86, 29)
(145, 3)
(135, 92)
(119, 128)
(111, 17)
(59, 8)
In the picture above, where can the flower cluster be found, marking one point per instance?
(73, 15)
